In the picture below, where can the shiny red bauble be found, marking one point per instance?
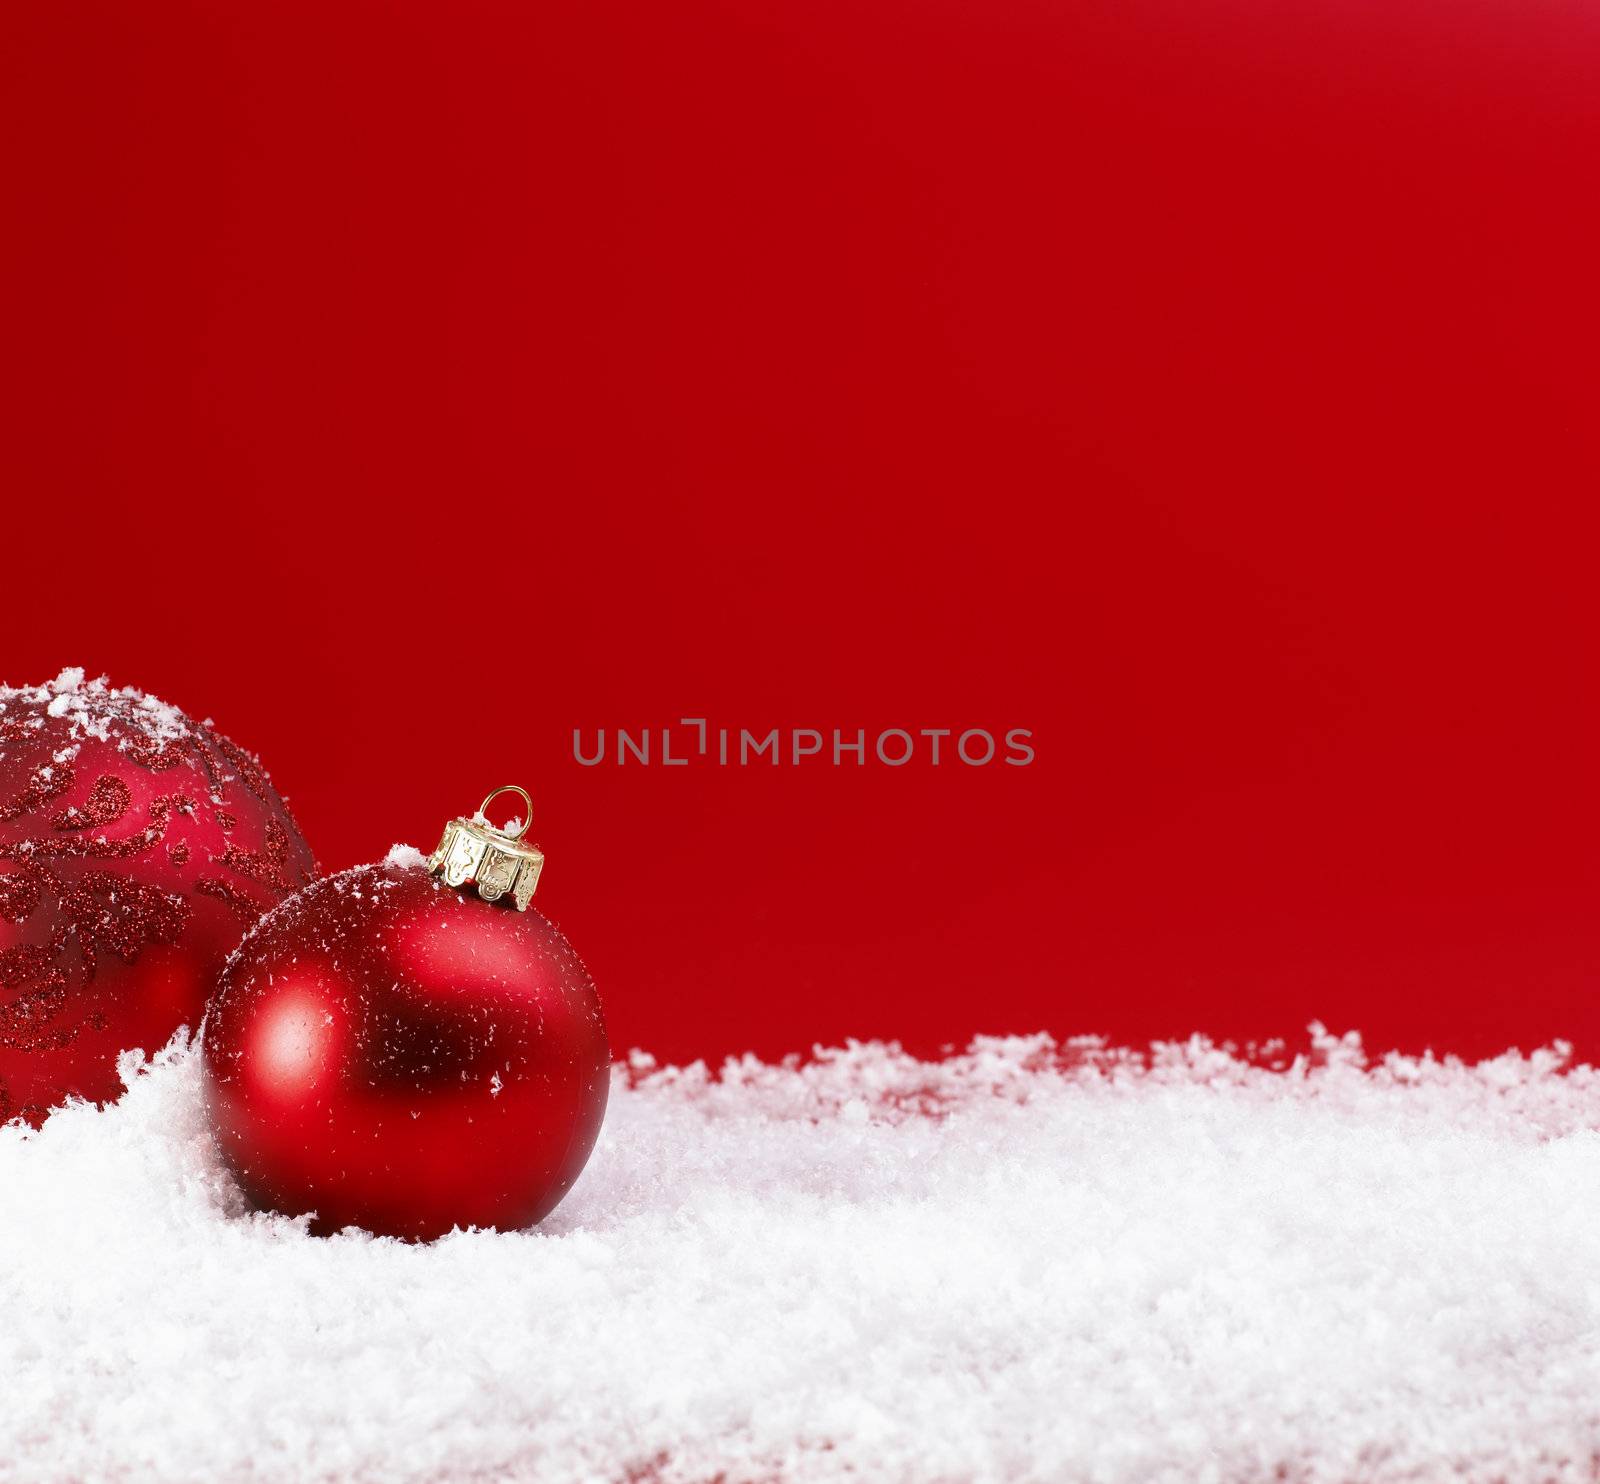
(136, 846)
(392, 1054)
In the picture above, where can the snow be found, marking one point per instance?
(90, 704)
(1026, 1262)
(406, 856)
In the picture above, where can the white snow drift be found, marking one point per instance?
(1025, 1263)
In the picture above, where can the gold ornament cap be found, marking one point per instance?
(473, 852)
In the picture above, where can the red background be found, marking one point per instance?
(1207, 385)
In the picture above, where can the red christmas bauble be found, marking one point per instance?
(396, 1055)
(135, 848)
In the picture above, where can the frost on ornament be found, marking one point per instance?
(135, 848)
(1029, 1262)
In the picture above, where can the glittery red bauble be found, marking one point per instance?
(395, 1055)
(135, 848)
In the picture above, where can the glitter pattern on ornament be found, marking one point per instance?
(136, 846)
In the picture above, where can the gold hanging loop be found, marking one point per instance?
(509, 788)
